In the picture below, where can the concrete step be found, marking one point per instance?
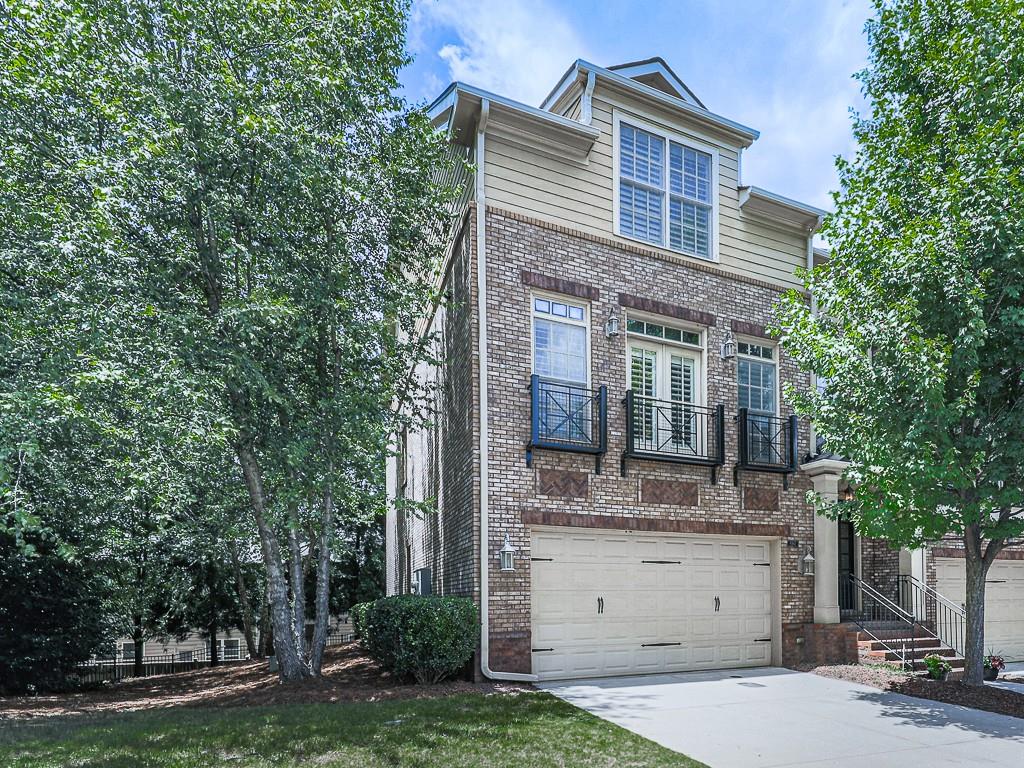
(956, 662)
(913, 653)
(898, 642)
(897, 633)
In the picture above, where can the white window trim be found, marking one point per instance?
(584, 323)
(617, 119)
(700, 349)
(774, 361)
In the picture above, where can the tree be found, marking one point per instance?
(233, 201)
(51, 614)
(921, 318)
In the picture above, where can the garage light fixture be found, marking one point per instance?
(507, 556)
(807, 564)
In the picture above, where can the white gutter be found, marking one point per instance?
(481, 308)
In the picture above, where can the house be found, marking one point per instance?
(617, 478)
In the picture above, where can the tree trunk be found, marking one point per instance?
(243, 598)
(978, 562)
(298, 582)
(266, 630)
(323, 584)
(214, 650)
(291, 666)
(139, 640)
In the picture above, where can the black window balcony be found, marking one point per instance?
(766, 443)
(567, 417)
(672, 431)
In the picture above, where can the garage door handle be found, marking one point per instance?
(657, 645)
(762, 640)
(718, 603)
(600, 605)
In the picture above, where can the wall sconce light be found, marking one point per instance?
(807, 564)
(611, 325)
(728, 350)
(507, 555)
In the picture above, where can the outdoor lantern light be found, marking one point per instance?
(728, 350)
(507, 555)
(807, 564)
(611, 325)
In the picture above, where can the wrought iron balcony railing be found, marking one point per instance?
(567, 417)
(664, 430)
(766, 443)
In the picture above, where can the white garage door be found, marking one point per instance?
(1004, 601)
(613, 603)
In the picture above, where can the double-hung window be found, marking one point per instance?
(664, 376)
(560, 361)
(757, 377)
(665, 191)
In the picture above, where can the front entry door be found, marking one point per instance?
(847, 594)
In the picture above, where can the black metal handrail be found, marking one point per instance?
(567, 417)
(869, 606)
(667, 430)
(924, 602)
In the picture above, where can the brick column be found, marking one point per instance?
(825, 474)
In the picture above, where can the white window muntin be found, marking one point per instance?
(552, 312)
(756, 394)
(664, 186)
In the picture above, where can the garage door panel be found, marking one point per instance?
(667, 606)
(1004, 601)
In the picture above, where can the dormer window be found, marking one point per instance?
(665, 189)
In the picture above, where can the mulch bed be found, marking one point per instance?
(348, 675)
(988, 698)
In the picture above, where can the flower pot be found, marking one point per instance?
(990, 673)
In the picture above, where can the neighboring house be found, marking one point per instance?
(610, 431)
(195, 646)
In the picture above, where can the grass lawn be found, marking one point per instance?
(524, 729)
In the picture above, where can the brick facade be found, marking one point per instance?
(563, 489)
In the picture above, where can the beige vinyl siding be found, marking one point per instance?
(579, 195)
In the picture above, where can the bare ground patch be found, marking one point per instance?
(348, 675)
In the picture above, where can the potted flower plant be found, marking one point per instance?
(938, 667)
(993, 666)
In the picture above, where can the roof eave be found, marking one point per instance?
(769, 205)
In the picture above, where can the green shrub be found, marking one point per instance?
(425, 638)
(358, 615)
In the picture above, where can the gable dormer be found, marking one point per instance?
(657, 74)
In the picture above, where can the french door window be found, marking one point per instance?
(756, 371)
(664, 379)
(560, 360)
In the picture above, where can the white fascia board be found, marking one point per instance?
(761, 202)
(564, 83)
(746, 135)
(460, 103)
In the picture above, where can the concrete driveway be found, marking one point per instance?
(775, 717)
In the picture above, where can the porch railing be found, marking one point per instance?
(567, 417)
(664, 430)
(928, 605)
(869, 608)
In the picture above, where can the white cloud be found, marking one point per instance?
(517, 48)
(804, 118)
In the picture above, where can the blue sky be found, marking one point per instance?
(781, 67)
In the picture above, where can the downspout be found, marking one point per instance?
(481, 309)
(587, 108)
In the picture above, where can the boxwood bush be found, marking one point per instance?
(358, 613)
(422, 638)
